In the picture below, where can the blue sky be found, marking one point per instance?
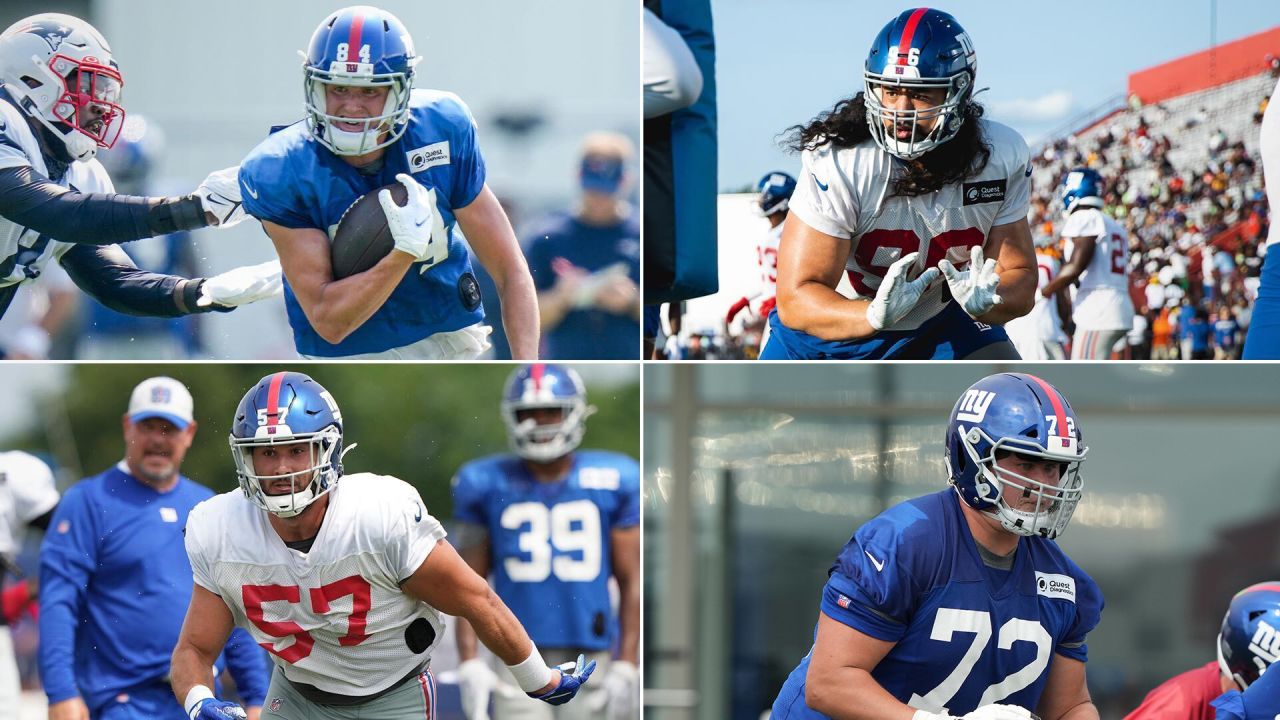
(779, 64)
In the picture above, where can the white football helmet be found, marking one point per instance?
(56, 66)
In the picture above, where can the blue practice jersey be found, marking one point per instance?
(966, 634)
(588, 333)
(115, 583)
(293, 181)
(551, 549)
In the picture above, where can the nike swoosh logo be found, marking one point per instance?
(821, 187)
(418, 517)
(1028, 171)
(878, 563)
(252, 193)
(420, 223)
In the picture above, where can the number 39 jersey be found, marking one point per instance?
(334, 617)
(550, 542)
(966, 634)
(847, 193)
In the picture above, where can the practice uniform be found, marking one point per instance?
(914, 573)
(1182, 697)
(1263, 340)
(334, 619)
(1101, 309)
(550, 554)
(295, 182)
(27, 491)
(1038, 335)
(848, 193)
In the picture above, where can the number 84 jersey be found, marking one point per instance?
(967, 634)
(550, 545)
(334, 617)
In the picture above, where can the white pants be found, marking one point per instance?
(10, 688)
(1094, 344)
(509, 703)
(468, 343)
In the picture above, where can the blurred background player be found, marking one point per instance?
(1039, 335)
(1096, 249)
(132, 164)
(586, 263)
(27, 499)
(368, 657)
(885, 646)
(59, 104)
(366, 127)
(113, 575)
(1247, 645)
(901, 186)
(1263, 339)
(773, 193)
(552, 524)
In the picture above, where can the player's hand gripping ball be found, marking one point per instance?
(402, 216)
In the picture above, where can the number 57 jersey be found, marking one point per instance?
(967, 634)
(550, 545)
(334, 617)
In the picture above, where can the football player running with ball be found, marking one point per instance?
(551, 524)
(919, 199)
(342, 582)
(367, 127)
(959, 604)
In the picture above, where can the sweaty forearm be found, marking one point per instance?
(499, 630)
(1017, 292)
(338, 307)
(188, 668)
(824, 313)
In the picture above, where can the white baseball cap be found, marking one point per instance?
(161, 397)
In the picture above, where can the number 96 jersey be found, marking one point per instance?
(550, 543)
(335, 616)
(967, 634)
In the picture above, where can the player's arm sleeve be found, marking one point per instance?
(112, 279)
(31, 483)
(869, 590)
(35, 202)
(1089, 604)
(1017, 196)
(249, 666)
(67, 561)
(411, 535)
(824, 199)
(627, 512)
(466, 161)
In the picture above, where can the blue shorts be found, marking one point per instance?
(1263, 340)
(153, 701)
(949, 335)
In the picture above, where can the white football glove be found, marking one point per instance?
(417, 227)
(220, 196)
(975, 287)
(986, 712)
(896, 295)
(476, 681)
(622, 690)
(241, 285)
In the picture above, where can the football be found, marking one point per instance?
(362, 237)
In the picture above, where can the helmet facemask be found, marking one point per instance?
(884, 121)
(1053, 504)
(540, 442)
(321, 473)
(391, 122)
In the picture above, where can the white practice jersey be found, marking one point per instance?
(1042, 324)
(24, 252)
(1102, 298)
(27, 491)
(1269, 148)
(334, 617)
(846, 194)
(767, 251)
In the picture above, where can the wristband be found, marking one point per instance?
(195, 696)
(532, 674)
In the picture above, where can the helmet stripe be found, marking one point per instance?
(273, 402)
(535, 374)
(908, 32)
(353, 40)
(1271, 586)
(1055, 401)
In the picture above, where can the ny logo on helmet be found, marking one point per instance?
(1265, 644)
(973, 406)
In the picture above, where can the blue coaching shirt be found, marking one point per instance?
(914, 573)
(114, 574)
(588, 333)
(294, 181)
(550, 542)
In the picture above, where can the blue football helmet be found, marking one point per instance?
(925, 49)
(773, 192)
(359, 46)
(1250, 637)
(1082, 188)
(282, 409)
(1022, 414)
(541, 386)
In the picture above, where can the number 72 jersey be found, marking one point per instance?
(966, 634)
(550, 546)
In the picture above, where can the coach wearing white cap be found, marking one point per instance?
(115, 580)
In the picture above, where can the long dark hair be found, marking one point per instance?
(845, 125)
